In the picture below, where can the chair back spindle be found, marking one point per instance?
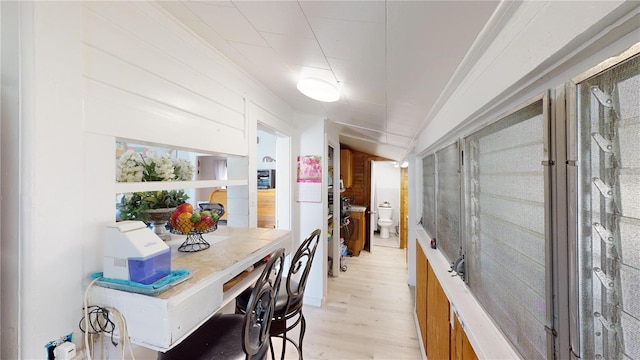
(261, 306)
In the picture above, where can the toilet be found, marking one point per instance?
(385, 212)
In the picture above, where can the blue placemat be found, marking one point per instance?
(164, 284)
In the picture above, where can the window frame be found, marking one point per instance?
(548, 163)
(571, 89)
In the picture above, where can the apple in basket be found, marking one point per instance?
(185, 207)
(206, 222)
(174, 219)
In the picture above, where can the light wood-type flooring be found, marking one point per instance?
(368, 313)
(392, 241)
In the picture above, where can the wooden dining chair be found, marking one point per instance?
(288, 306)
(237, 336)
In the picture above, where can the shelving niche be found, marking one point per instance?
(189, 186)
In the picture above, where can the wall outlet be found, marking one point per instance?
(53, 344)
(65, 351)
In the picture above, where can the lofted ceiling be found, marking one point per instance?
(391, 60)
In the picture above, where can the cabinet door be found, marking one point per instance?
(346, 168)
(438, 315)
(421, 293)
(357, 239)
(461, 348)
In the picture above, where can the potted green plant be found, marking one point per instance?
(141, 205)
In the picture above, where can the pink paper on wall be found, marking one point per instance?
(309, 169)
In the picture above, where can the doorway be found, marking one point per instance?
(266, 161)
(385, 201)
(272, 176)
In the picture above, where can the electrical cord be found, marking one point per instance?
(97, 321)
(86, 318)
(124, 331)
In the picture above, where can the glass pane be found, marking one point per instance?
(609, 212)
(504, 186)
(429, 193)
(448, 201)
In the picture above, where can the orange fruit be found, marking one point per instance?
(183, 223)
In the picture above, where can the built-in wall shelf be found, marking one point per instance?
(127, 187)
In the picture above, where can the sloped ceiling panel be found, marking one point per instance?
(392, 60)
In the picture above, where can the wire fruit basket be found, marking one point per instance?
(194, 225)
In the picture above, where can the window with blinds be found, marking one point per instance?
(448, 201)
(608, 234)
(429, 195)
(505, 212)
(508, 178)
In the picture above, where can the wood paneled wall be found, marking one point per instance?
(360, 192)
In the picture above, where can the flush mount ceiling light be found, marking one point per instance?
(318, 89)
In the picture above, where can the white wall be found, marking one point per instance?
(9, 129)
(310, 140)
(414, 185)
(89, 73)
(540, 45)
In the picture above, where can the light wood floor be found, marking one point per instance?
(368, 313)
(392, 241)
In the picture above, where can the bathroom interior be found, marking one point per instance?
(385, 197)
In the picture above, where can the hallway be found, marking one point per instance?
(369, 312)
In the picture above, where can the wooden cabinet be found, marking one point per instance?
(358, 236)
(346, 167)
(439, 338)
(461, 348)
(267, 208)
(421, 292)
(437, 318)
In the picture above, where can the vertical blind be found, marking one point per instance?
(609, 213)
(504, 185)
(448, 201)
(429, 194)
